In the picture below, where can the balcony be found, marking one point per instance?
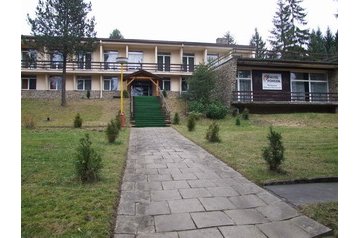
(94, 67)
(251, 97)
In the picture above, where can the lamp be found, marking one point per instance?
(122, 60)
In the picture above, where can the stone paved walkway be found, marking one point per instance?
(174, 188)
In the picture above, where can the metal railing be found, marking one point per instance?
(251, 96)
(114, 66)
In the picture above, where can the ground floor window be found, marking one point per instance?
(165, 85)
(110, 83)
(184, 85)
(28, 82)
(84, 83)
(309, 86)
(244, 85)
(55, 82)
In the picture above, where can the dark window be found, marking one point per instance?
(188, 62)
(28, 83)
(56, 60)
(163, 62)
(84, 60)
(184, 85)
(165, 85)
(28, 58)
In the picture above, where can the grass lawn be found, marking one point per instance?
(53, 202)
(310, 140)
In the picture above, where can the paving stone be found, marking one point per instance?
(183, 176)
(247, 201)
(185, 205)
(216, 203)
(246, 216)
(156, 166)
(207, 175)
(159, 177)
(283, 229)
(278, 211)
(157, 208)
(175, 184)
(134, 177)
(222, 191)
(247, 188)
(246, 231)
(165, 195)
(146, 186)
(169, 171)
(207, 233)
(311, 226)
(174, 222)
(126, 207)
(177, 165)
(210, 219)
(158, 235)
(146, 171)
(146, 225)
(127, 224)
(194, 192)
(268, 197)
(201, 183)
(123, 236)
(128, 186)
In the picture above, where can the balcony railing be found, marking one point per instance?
(95, 66)
(299, 97)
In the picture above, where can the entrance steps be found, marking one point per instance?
(148, 112)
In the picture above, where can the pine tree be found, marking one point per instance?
(329, 42)
(116, 34)
(260, 46)
(316, 45)
(230, 38)
(62, 25)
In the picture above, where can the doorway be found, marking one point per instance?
(142, 88)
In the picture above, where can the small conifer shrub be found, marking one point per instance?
(273, 154)
(191, 123)
(176, 119)
(29, 122)
(212, 135)
(78, 121)
(88, 162)
(112, 131)
(118, 120)
(245, 114)
(238, 122)
(88, 94)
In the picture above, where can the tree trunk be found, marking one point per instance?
(63, 90)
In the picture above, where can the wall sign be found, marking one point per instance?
(271, 81)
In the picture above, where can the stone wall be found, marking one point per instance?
(225, 83)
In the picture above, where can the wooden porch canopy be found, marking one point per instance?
(143, 75)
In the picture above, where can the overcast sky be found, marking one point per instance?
(193, 20)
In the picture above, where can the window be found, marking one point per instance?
(28, 58)
(56, 60)
(163, 62)
(212, 58)
(244, 85)
(309, 87)
(110, 83)
(188, 62)
(55, 82)
(184, 85)
(110, 59)
(84, 83)
(84, 60)
(165, 85)
(28, 82)
(135, 59)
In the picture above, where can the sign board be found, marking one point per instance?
(271, 81)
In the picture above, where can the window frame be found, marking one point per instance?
(110, 78)
(162, 85)
(29, 79)
(113, 64)
(58, 85)
(85, 80)
(309, 81)
(187, 66)
(135, 65)
(246, 96)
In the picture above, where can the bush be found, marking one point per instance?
(273, 154)
(125, 94)
(234, 112)
(112, 131)
(238, 121)
(197, 106)
(191, 123)
(88, 163)
(212, 135)
(245, 114)
(165, 93)
(78, 121)
(117, 119)
(216, 111)
(29, 122)
(176, 119)
(88, 94)
(196, 115)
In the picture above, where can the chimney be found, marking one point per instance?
(223, 41)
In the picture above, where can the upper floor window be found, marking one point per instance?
(55, 82)
(188, 62)
(84, 83)
(135, 59)
(212, 58)
(244, 85)
(110, 59)
(84, 60)
(28, 58)
(163, 61)
(56, 60)
(28, 82)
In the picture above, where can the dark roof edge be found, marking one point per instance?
(167, 42)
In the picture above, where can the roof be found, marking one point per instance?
(141, 73)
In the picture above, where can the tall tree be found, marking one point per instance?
(201, 83)
(230, 39)
(61, 26)
(259, 45)
(316, 45)
(116, 34)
